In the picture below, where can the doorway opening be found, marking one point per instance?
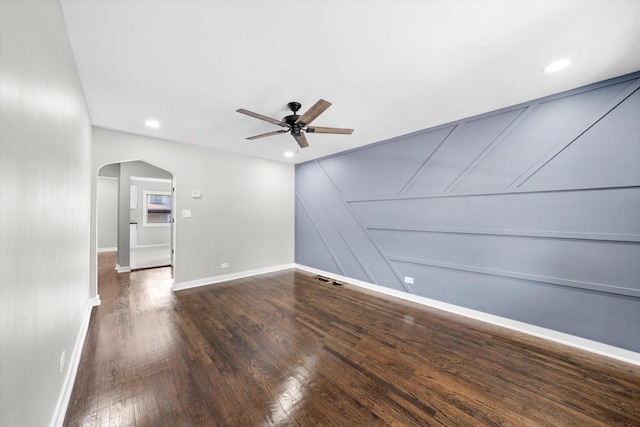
(135, 215)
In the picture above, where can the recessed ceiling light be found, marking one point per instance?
(152, 123)
(288, 154)
(557, 66)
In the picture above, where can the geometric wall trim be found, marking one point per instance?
(531, 212)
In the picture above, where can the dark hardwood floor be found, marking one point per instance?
(284, 350)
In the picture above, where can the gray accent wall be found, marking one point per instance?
(530, 213)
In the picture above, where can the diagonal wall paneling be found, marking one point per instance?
(549, 122)
(530, 212)
(345, 236)
(394, 163)
(472, 139)
(610, 149)
(313, 250)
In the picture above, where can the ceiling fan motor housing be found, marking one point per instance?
(291, 120)
(296, 128)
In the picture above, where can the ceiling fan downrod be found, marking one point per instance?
(291, 119)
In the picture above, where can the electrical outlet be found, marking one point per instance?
(408, 280)
(62, 360)
(224, 265)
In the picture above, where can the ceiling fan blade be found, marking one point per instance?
(301, 140)
(261, 117)
(313, 112)
(341, 131)
(276, 132)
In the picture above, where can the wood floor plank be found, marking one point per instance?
(283, 349)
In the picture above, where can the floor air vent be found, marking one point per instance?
(327, 280)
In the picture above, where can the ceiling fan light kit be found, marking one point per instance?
(298, 125)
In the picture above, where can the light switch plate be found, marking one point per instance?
(186, 213)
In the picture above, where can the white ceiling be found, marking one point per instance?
(388, 67)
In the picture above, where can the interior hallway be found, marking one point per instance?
(283, 349)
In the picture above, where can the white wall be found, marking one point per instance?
(245, 215)
(45, 159)
(107, 213)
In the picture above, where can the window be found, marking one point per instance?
(157, 208)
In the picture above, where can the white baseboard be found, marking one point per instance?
(123, 269)
(548, 334)
(74, 363)
(217, 279)
(114, 249)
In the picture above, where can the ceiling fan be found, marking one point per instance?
(298, 125)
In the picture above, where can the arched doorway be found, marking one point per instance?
(135, 204)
